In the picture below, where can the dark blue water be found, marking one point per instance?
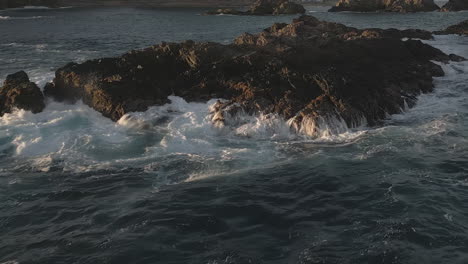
(165, 186)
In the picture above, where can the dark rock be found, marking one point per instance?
(225, 11)
(305, 72)
(455, 5)
(265, 7)
(460, 29)
(276, 7)
(402, 6)
(19, 92)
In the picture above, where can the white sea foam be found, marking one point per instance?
(77, 138)
(23, 18)
(36, 7)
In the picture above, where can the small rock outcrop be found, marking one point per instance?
(265, 7)
(402, 6)
(459, 29)
(226, 11)
(18, 92)
(305, 72)
(455, 5)
(276, 7)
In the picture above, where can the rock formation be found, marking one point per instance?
(19, 92)
(402, 6)
(455, 5)
(460, 29)
(305, 72)
(265, 7)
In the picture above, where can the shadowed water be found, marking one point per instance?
(165, 186)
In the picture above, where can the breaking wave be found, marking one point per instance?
(77, 138)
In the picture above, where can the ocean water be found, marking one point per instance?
(166, 186)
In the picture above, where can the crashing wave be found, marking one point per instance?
(236, 118)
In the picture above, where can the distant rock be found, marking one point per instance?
(402, 6)
(455, 5)
(19, 92)
(309, 72)
(460, 29)
(226, 11)
(276, 7)
(265, 7)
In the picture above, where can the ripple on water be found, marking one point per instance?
(165, 186)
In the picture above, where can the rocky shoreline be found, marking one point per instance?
(264, 7)
(309, 72)
(401, 6)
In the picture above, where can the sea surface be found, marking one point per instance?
(166, 186)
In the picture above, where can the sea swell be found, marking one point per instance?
(170, 186)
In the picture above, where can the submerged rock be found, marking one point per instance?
(460, 29)
(307, 72)
(18, 92)
(265, 7)
(455, 5)
(402, 6)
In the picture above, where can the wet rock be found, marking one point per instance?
(265, 7)
(455, 5)
(225, 11)
(460, 29)
(308, 72)
(19, 93)
(402, 6)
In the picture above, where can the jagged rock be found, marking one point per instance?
(265, 7)
(276, 7)
(402, 6)
(460, 29)
(455, 5)
(305, 71)
(19, 92)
